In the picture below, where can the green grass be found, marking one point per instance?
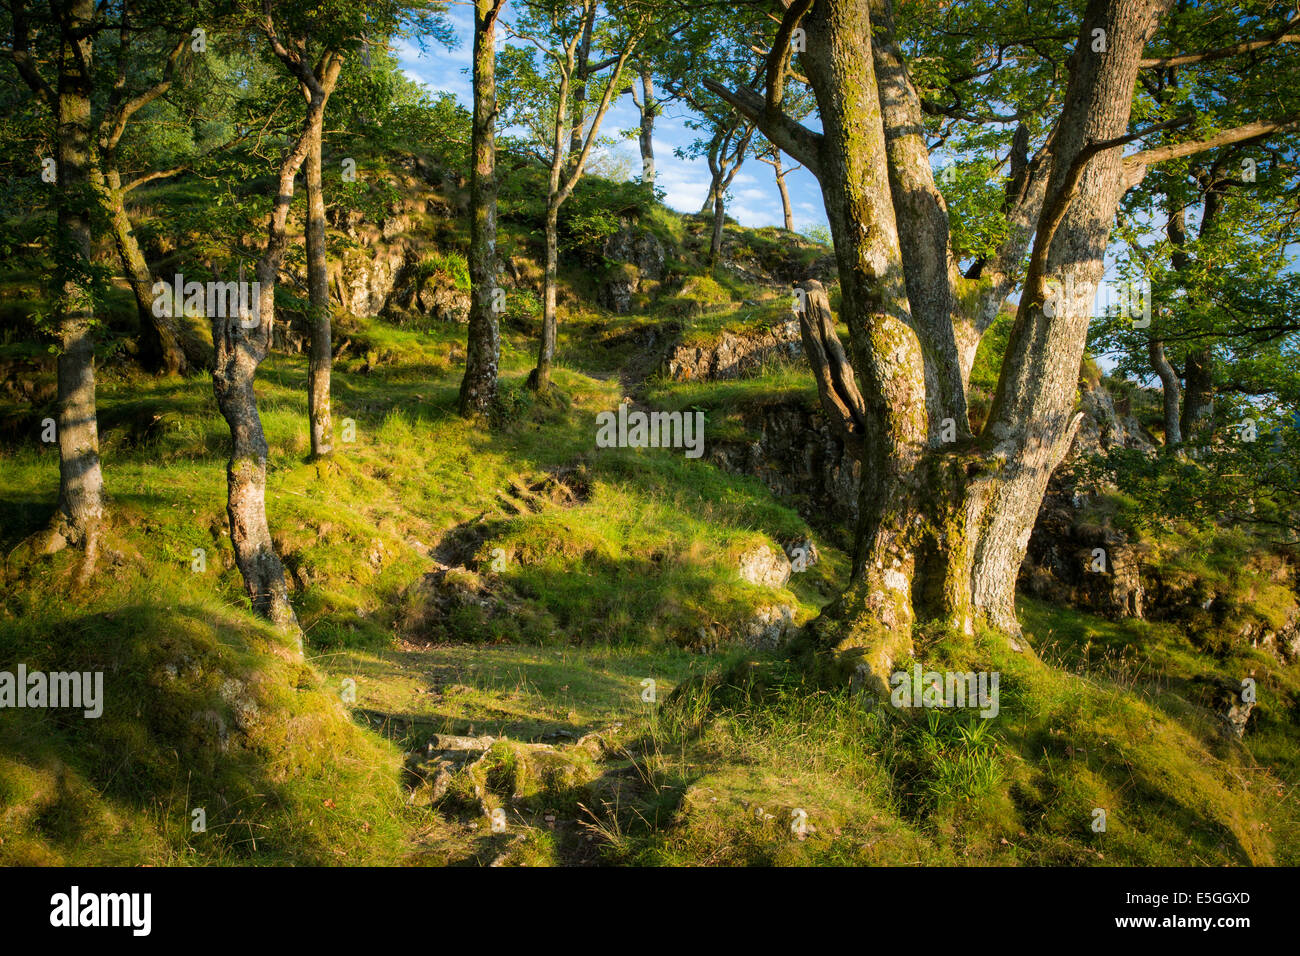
(570, 600)
(603, 590)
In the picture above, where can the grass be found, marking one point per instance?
(604, 591)
(578, 576)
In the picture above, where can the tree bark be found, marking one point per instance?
(540, 378)
(320, 349)
(649, 110)
(785, 193)
(80, 508)
(1171, 392)
(240, 343)
(478, 389)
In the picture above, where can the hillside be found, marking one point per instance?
(522, 648)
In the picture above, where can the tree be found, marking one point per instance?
(241, 342)
(478, 389)
(944, 524)
(648, 107)
(543, 102)
(168, 344)
(726, 152)
(73, 24)
(770, 155)
(309, 41)
(1226, 224)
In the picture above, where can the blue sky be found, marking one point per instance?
(753, 199)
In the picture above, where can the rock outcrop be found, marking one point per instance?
(636, 256)
(732, 354)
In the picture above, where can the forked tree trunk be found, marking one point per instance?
(240, 344)
(580, 76)
(320, 348)
(478, 389)
(945, 524)
(564, 176)
(80, 507)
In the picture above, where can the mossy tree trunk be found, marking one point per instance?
(478, 389)
(945, 516)
(320, 349)
(80, 508)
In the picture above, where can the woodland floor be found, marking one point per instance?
(606, 585)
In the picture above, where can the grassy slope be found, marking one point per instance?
(207, 709)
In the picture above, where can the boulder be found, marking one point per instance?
(768, 627)
(765, 567)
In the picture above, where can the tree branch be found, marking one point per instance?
(1223, 52)
(797, 140)
(1135, 166)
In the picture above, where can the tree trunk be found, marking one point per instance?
(320, 348)
(238, 352)
(711, 200)
(80, 507)
(478, 389)
(1171, 392)
(719, 221)
(540, 378)
(868, 627)
(240, 343)
(649, 108)
(785, 193)
(1031, 423)
(166, 345)
(1198, 400)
